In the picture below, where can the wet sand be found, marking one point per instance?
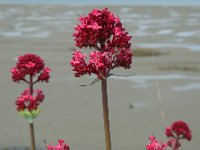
(164, 88)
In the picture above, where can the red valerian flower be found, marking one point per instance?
(60, 146)
(103, 31)
(79, 64)
(155, 145)
(30, 64)
(177, 131)
(44, 76)
(168, 132)
(28, 101)
(17, 75)
(100, 63)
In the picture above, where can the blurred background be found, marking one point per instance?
(165, 86)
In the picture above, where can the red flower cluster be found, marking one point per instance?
(28, 101)
(30, 64)
(101, 26)
(177, 131)
(59, 146)
(155, 145)
(103, 31)
(79, 64)
(44, 75)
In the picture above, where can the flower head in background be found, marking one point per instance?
(30, 64)
(31, 69)
(102, 31)
(28, 101)
(177, 131)
(27, 104)
(44, 75)
(60, 146)
(155, 145)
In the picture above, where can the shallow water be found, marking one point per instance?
(74, 112)
(188, 87)
(42, 23)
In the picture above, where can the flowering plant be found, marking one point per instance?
(177, 131)
(102, 31)
(29, 67)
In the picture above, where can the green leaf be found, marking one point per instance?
(29, 115)
(35, 113)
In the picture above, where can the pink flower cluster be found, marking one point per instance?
(30, 64)
(60, 146)
(177, 131)
(28, 101)
(155, 145)
(103, 31)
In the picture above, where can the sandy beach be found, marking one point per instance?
(164, 88)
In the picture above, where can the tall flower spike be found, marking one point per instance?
(102, 31)
(30, 64)
(31, 69)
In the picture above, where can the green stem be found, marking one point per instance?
(106, 113)
(31, 85)
(31, 125)
(32, 136)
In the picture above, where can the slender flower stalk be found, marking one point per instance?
(32, 136)
(31, 125)
(106, 113)
(102, 31)
(27, 67)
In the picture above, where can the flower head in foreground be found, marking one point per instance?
(177, 131)
(60, 146)
(30, 64)
(155, 145)
(102, 31)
